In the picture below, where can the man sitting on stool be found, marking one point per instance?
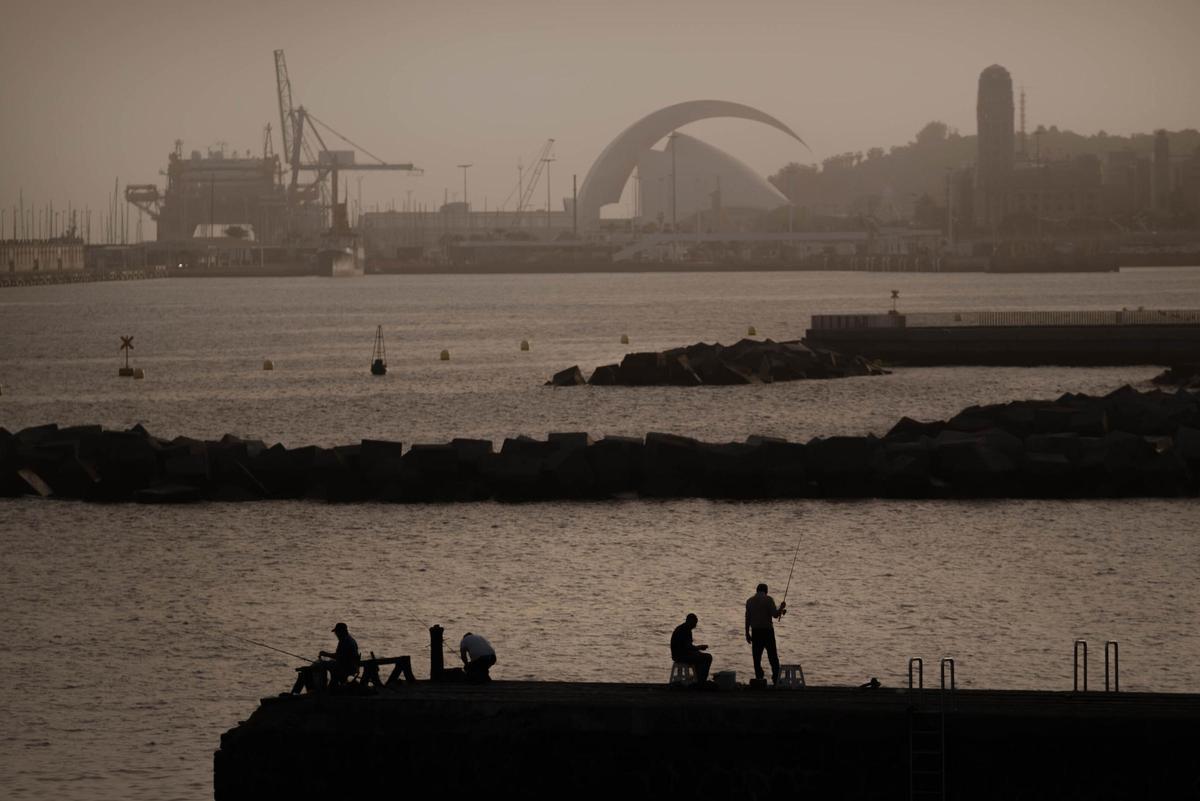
(682, 649)
(345, 659)
(478, 656)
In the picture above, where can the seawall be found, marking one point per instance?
(1017, 346)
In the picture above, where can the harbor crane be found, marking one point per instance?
(304, 150)
(539, 164)
(296, 123)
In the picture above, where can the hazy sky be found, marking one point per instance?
(92, 91)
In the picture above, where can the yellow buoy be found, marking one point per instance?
(139, 372)
(751, 331)
(268, 364)
(624, 339)
(445, 356)
(524, 344)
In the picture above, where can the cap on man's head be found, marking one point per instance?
(762, 587)
(340, 627)
(691, 618)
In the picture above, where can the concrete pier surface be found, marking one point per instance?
(568, 740)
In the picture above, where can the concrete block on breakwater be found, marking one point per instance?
(1124, 444)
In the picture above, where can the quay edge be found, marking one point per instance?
(562, 740)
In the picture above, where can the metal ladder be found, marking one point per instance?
(927, 735)
(1112, 666)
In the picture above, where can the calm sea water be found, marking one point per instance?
(118, 620)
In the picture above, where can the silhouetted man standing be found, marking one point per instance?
(683, 650)
(761, 613)
(345, 658)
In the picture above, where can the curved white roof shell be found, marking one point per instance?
(701, 171)
(610, 172)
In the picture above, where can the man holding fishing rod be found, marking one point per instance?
(345, 659)
(761, 613)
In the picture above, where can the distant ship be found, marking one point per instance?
(336, 260)
(341, 254)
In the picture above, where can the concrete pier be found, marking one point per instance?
(1066, 339)
(570, 740)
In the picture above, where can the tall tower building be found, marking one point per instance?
(994, 162)
(1160, 190)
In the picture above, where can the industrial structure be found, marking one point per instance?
(210, 192)
(253, 209)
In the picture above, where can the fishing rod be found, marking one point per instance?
(272, 648)
(793, 570)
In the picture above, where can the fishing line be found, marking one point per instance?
(272, 648)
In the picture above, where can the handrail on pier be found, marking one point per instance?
(946, 660)
(1078, 644)
(1116, 666)
(920, 663)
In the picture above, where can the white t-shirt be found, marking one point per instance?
(476, 647)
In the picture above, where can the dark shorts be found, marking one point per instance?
(478, 668)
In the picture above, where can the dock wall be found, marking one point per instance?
(1017, 346)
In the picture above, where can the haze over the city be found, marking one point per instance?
(99, 91)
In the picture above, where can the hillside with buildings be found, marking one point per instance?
(912, 181)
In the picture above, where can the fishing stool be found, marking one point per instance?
(683, 674)
(791, 677)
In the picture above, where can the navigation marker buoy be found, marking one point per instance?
(751, 331)
(268, 364)
(524, 344)
(624, 339)
(445, 356)
(126, 345)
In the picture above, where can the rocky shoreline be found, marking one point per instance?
(1180, 376)
(749, 361)
(1125, 444)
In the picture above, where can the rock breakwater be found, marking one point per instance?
(749, 361)
(1125, 444)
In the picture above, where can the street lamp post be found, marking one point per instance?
(466, 200)
(673, 185)
(548, 160)
(674, 196)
